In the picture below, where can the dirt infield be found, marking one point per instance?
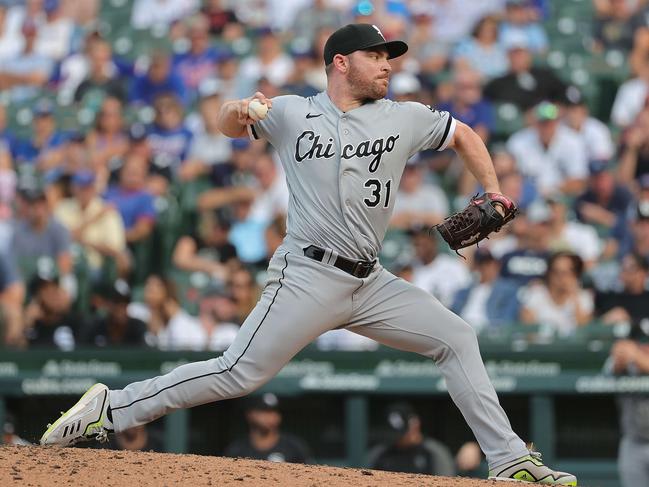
(59, 467)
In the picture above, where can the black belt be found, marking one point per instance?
(357, 268)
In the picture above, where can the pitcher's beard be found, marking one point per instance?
(365, 89)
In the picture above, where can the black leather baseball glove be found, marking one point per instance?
(475, 222)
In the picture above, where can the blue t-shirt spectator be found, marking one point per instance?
(524, 265)
(25, 151)
(132, 205)
(144, 89)
(8, 272)
(171, 145)
(480, 113)
(194, 68)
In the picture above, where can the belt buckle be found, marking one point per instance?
(362, 269)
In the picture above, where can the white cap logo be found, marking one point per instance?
(379, 31)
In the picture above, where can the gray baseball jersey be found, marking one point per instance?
(343, 170)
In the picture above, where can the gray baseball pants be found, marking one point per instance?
(633, 462)
(304, 298)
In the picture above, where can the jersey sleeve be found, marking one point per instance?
(429, 128)
(272, 127)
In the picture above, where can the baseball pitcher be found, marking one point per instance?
(343, 152)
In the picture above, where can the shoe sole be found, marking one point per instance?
(81, 403)
(502, 479)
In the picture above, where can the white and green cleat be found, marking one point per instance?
(530, 468)
(84, 421)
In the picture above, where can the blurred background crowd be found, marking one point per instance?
(127, 219)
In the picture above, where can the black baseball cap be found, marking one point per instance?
(357, 37)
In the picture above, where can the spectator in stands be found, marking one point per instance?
(37, 235)
(218, 315)
(112, 326)
(11, 40)
(159, 79)
(107, 141)
(569, 235)
(102, 78)
(518, 23)
(468, 105)
(245, 292)
(631, 303)
(630, 357)
(223, 22)
(49, 320)
(639, 228)
(405, 86)
(132, 200)
(208, 250)
(314, 16)
(138, 438)
(418, 202)
(424, 46)
(558, 304)
(200, 61)
(550, 154)
(605, 204)
(8, 436)
(159, 173)
(482, 51)
(489, 301)
(269, 62)
(209, 147)
(45, 147)
(528, 260)
(439, 274)
(168, 137)
(170, 327)
(634, 151)
(7, 184)
(153, 13)
(524, 85)
(631, 98)
(409, 450)
(12, 296)
(95, 225)
(306, 76)
(265, 439)
(595, 134)
(236, 176)
(25, 74)
(55, 32)
(613, 29)
(454, 19)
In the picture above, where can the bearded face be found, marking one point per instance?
(368, 75)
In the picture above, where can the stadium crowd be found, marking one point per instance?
(127, 219)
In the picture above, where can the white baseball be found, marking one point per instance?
(257, 110)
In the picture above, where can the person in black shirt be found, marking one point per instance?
(265, 441)
(410, 451)
(49, 319)
(630, 305)
(113, 327)
(525, 85)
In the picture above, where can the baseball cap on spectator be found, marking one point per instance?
(43, 108)
(516, 40)
(264, 402)
(120, 292)
(137, 132)
(405, 83)
(598, 166)
(216, 289)
(240, 144)
(42, 279)
(538, 212)
(642, 212)
(643, 182)
(31, 189)
(50, 5)
(483, 255)
(210, 87)
(546, 111)
(357, 37)
(574, 96)
(83, 178)
(398, 418)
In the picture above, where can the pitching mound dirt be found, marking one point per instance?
(60, 467)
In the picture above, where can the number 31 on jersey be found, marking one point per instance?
(380, 192)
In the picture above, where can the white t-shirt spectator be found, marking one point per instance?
(54, 39)
(210, 149)
(183, 332)
(554, 319)
(11, 37)
(148, 13)
(629, 101)
(580, 239)
(442, 278)
(277, 72)
(427, 198)
(565, 158)
(597, 139)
